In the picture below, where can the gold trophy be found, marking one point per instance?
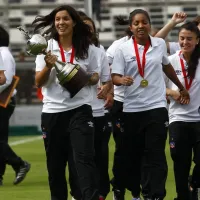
(71, 76)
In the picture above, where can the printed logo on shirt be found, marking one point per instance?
(178, 72)
(166, 124)
(118, 124)
(172, 145)
(133, 58)
(90, 124)
(171, 116)
(44, 134)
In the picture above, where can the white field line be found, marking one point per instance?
(25, 141)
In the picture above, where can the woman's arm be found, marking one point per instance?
(93, 79)
(174, 94)
(104, 89)
(122, 80)
(42, 76)
(177, 18)
(2, 77)
(171, 74)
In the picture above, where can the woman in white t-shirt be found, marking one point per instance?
(67, 123)
(101, 137)
(184, 120)
(177, 18)
(138, 65)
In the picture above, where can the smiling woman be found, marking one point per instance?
(144, 104)
(67, 122)
(64, 26)
(184, 121)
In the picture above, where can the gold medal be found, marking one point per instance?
(144, 83)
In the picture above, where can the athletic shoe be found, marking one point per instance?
(21, 173)
(118, 195)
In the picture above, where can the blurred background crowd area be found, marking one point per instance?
(14, 13)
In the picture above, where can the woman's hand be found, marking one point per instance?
(103, 90)
(185, 97)
(181, 97)
(50, 60)
(127, 80)
(179, 17)
(175, 95)
(109, 100)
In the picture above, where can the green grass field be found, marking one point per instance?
(35, 186)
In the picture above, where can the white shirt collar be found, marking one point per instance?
(55, 47)
(154, 42)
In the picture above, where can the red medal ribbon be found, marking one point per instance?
(141, 67)
(187, 83)
(63, 55)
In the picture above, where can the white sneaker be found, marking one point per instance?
(73, 198)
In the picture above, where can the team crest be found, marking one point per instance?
(172, 145)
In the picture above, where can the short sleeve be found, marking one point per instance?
(40, 62)
(2, 66)
(105, 69)
(165, 60)
(94, 59)
(110, 53)
(173, 47)
(118, 65)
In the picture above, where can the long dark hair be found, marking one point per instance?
(81, 38)
(194, 59)
(95, 35)
(4, 37)
(121, 21)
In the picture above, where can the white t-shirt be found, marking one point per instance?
(190, 112)
(2, 66)
(137, 98)
(174, 47)
(118, 90)
(55, 97)
(7, 63)
(98, 104)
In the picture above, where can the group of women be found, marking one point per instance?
(76, 130)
